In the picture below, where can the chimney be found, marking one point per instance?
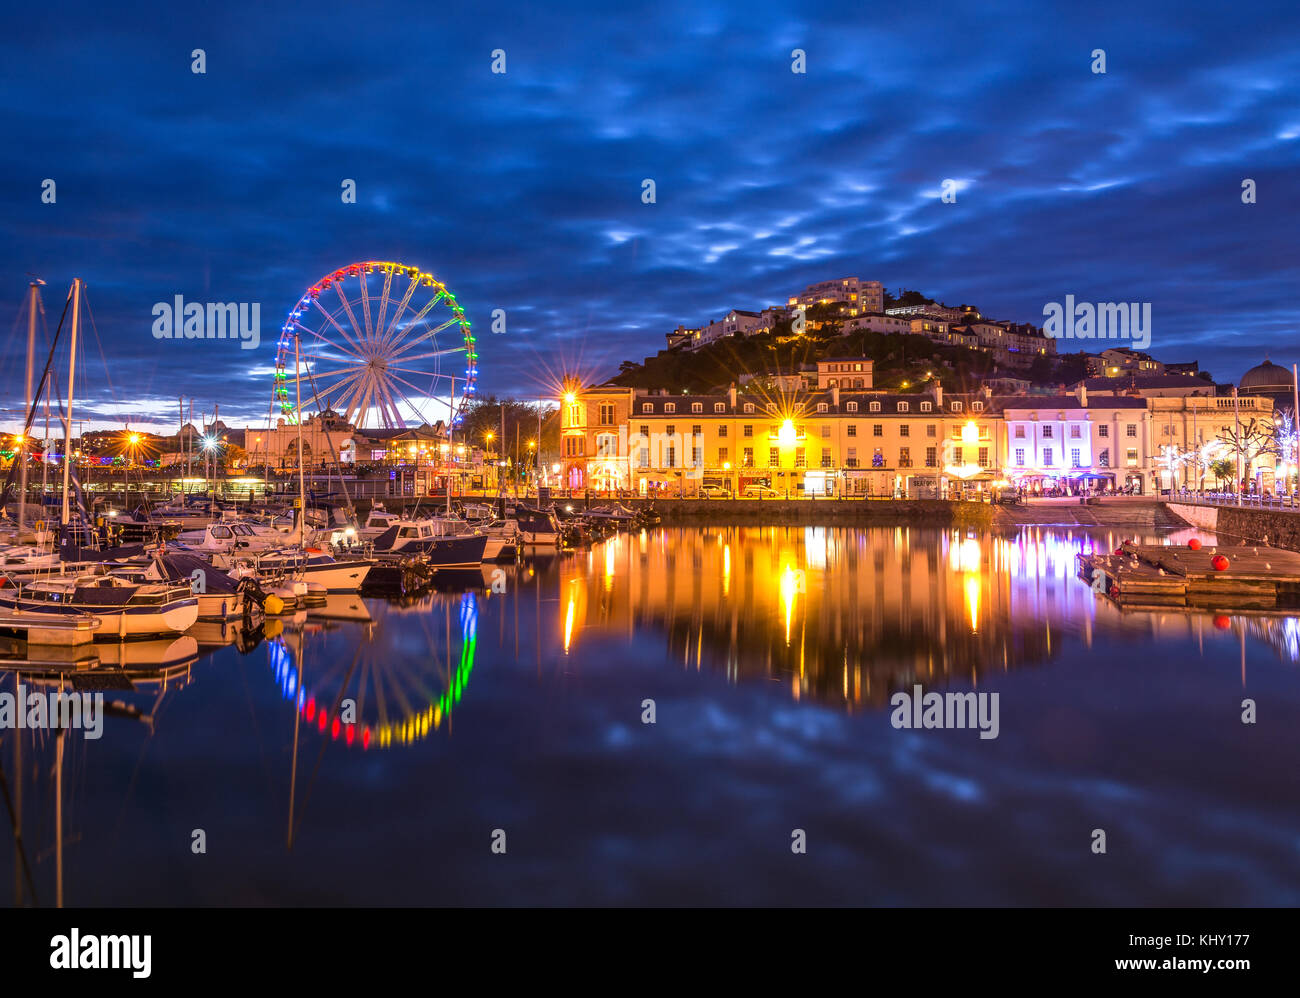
(835, 395)
(731, 396)
(938, 394)
(1083, 395)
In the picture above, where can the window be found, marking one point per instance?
(722, 455)
(1020, 432)
(697, 457)
(826, 457)
(931, 457)
(904, 457)
(722, 430)
(749, 406)
(853, 429)
(851, 407)
(774, 457)
(977, 406)
(575, 414)
(645, 430)
(823, 407)
(826, 430)
(748, 460)
(606, 414)
(1074, 431)
(1020, 456)
(799, 461)
(672, 456)
(1103, 430)
(851, 461)
(1132, 430)
(902, 407)
(956, 407)
(747, 431)
(697, 407)
(1047, 457)
(671, 430)
(984, 457)
(1103, 459)
(905, 430)
(878, 458)
(643, 457)
(877, 429)
(1132, 456)
(874, 407)
(670, 407)
(930, 430)
(1047, 432)
(1074, 458)
(606, 445)
(696, 429)
(647, 407)
(719, 406)
(925, 406)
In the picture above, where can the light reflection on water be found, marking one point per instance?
(382, 741)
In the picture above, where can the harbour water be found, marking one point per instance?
(513, 711)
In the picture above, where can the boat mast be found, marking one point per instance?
(302, 491)
(72, 371)
(27, 400)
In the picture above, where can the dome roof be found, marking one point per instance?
(1267, 377)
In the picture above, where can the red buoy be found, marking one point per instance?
(1219, 562)
(1194, 544)
(1222, 622)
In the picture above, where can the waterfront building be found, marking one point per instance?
(822, 442)
(1190, 432)
(1078, 441)
(1269, 380)
(1150, 386)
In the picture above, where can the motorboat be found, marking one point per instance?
(342, 574)
(538, 528)
(220, 596)
(437, 549)
(124, 608)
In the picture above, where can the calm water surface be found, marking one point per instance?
(770, 655)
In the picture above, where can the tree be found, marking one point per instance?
(1249, 442)
(1224, 469)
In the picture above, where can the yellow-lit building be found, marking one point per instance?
(809, 442)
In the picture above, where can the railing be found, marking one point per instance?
(1280, 501)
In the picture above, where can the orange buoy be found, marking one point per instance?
(1219, 562)
(1222, 622)
(1194, 544)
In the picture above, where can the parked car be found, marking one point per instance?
(715, 492)
(761, 492)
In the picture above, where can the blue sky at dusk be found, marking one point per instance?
(522, 191)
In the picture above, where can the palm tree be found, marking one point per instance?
(1224, 470)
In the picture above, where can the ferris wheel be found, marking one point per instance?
(382, 344)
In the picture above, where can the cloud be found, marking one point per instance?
(523, 191)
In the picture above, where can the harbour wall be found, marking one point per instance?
(1276, 528)
(775, 512)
